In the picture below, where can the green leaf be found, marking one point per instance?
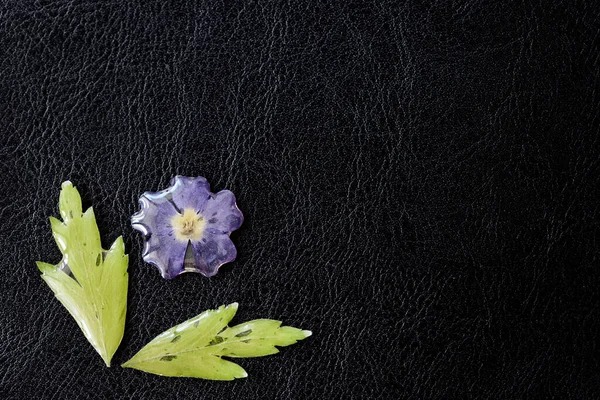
(96, 292)
(195, 347)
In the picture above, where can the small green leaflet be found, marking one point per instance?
(95, 293)
(195, 347)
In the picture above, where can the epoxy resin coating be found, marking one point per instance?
(187, 228)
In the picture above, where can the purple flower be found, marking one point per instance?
(187, 228)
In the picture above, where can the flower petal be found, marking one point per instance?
(222, 214)
(190, 192)
(153, 206)
(165, 254)
(212, 252)
(161, 247)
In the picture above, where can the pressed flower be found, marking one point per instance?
(187, 228)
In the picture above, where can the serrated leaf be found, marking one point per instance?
(89, 281)
(194, 348)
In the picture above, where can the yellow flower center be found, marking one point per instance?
(188, 225)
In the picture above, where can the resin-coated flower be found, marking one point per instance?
(187, 228)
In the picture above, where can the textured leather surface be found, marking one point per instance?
(420, 187)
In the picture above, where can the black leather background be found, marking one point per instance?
(419, 181)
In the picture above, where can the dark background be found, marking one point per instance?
(420, 186)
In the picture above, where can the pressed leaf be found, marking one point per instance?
(89, 281)
(194, 348)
